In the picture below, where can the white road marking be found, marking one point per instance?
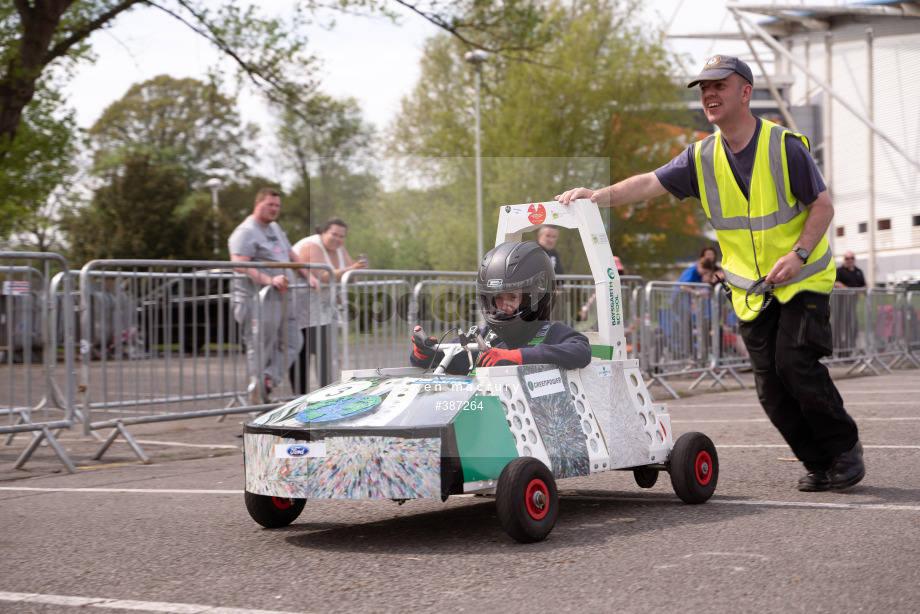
(187, 445)
(745, 420)
(756, 503)
(166, 443)
(884, 391)
(863, 506)
(678, 421)
(840, 506)
(782, 445)
(758, 406)
(129, 604)
(152, 491)
(151, 442)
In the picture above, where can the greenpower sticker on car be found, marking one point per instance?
(542, 384)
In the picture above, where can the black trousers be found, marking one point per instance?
(316, 342)
(785, 342)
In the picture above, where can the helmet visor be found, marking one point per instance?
(499, 297)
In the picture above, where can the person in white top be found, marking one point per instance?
(317, 310)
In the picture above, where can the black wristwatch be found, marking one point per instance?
(802, 253)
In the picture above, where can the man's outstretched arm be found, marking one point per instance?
(636, 189)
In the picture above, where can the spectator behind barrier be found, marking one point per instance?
(317, 313)
(259, 238)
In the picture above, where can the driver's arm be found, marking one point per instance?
(563, 346)
(459, 364)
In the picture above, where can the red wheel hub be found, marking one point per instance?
(536, 498)
(703, 468)
(281, 503)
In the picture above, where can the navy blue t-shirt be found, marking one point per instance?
(679, 175)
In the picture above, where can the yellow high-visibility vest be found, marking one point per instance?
(755, 233)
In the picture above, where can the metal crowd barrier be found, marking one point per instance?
(300, 299)
(912, 321)
(677, 332)
(579, 290)
(158, 340)
(887, 316)
(871, 328)
(848, 321)
(729, 355)
(31, 347)
(380, 308)
(677, 329)
(167, 347)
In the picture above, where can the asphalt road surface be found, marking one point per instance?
(174, 535)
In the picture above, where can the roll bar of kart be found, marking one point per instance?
(581, 215)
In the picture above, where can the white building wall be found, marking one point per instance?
(896, 66)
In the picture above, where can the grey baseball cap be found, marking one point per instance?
(721, 66)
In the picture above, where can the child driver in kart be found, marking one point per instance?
(516, 289)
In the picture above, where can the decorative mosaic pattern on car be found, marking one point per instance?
(352, 468)
(555, 416)
(598, 455)
(626, 415)
(423, 400)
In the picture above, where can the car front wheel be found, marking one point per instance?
(273, 512)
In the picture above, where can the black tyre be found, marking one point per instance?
(527, 500)
(694, 467)
(273, 512)
(645, 476)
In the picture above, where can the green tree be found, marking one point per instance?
(138, 213)
(590, 106)
(171, 130)
(38, 35)
(327, 148)
(178, 121)
(31, 183)
(268, 52)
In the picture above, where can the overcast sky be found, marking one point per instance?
(369, 59)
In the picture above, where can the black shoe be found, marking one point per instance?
(814, 481)
(848, 468)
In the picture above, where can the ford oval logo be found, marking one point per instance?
(298, 450)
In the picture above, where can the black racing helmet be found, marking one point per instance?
(517, 266)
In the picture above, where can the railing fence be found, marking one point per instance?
(31, 345)
(170, 340)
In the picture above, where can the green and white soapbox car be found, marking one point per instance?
(406, 433)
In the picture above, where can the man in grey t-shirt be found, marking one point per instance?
(259, 238)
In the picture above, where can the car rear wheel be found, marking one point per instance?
(273, 512)
(694, 467)
(645, 476)
(527, 500)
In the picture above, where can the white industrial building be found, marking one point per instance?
(848, 76)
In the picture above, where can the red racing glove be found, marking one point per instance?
(497, 357)
(424, 351)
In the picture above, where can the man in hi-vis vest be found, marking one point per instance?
(770, 209)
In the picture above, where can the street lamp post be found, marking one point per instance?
(215, 184)
(476, 58)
